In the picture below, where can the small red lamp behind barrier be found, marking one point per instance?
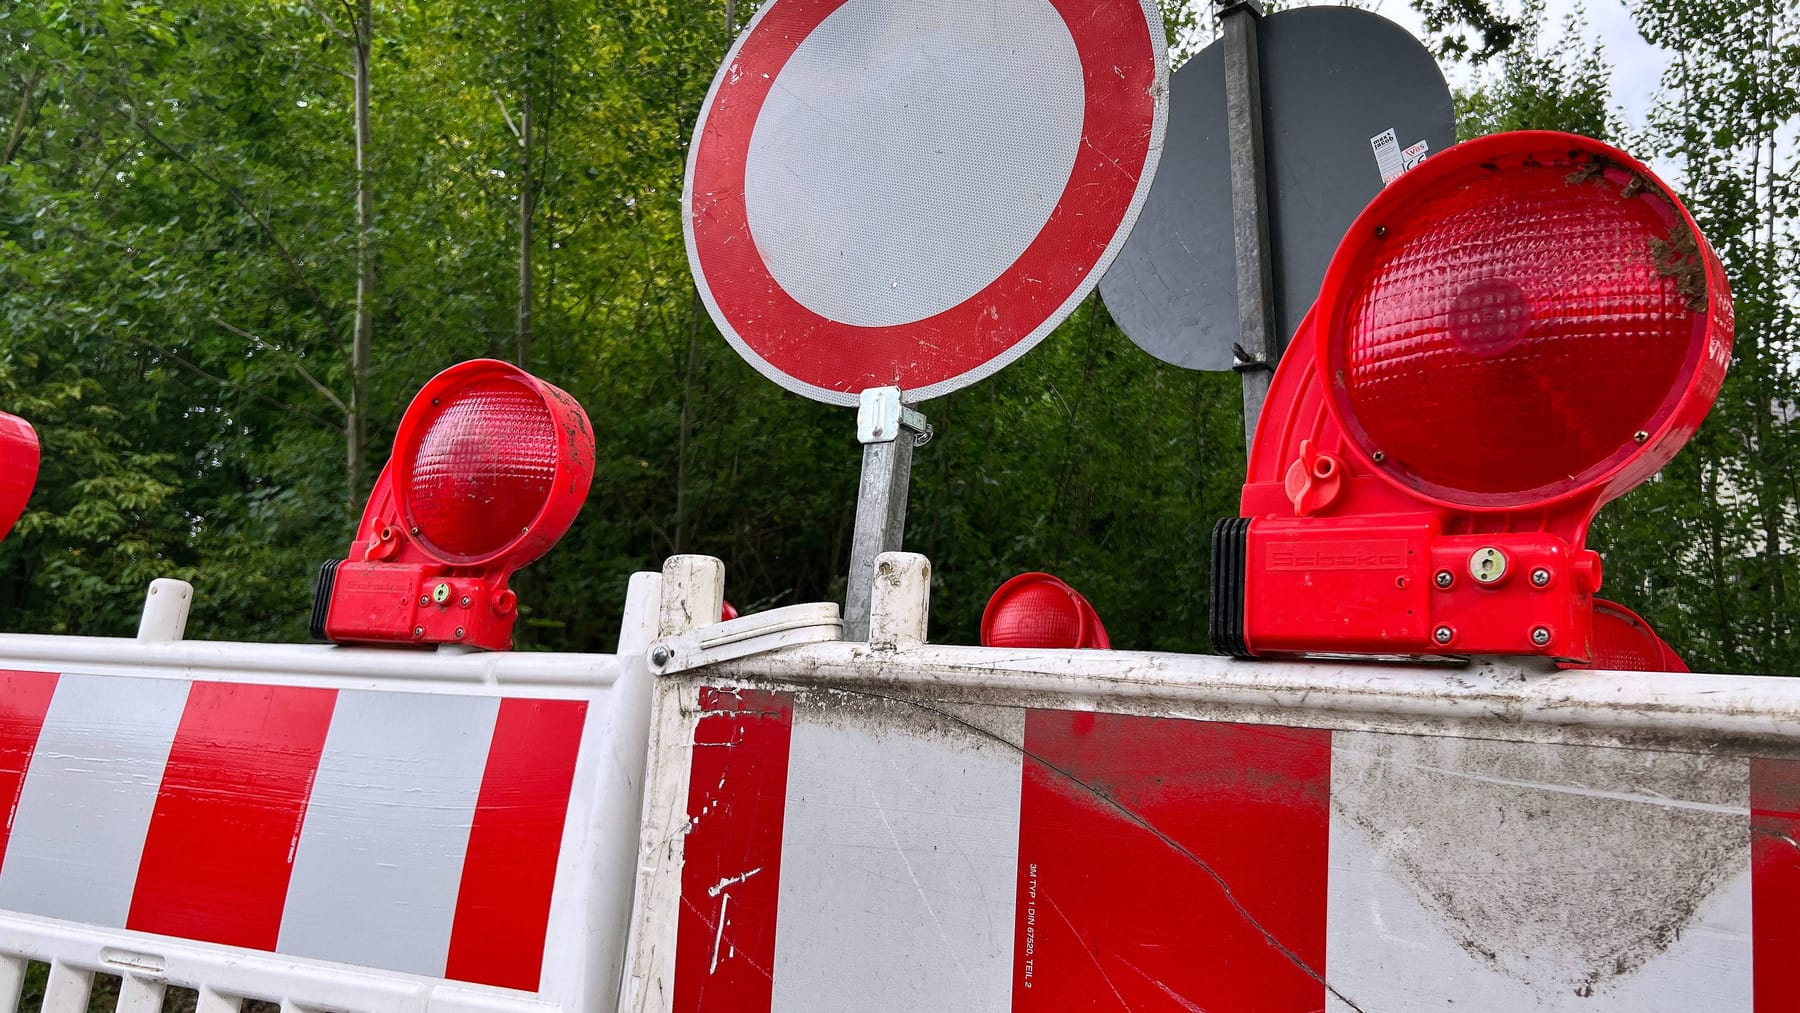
(18, 468)
(1624, 642)
(1511, 335)
(1038, 610)
(490, 467)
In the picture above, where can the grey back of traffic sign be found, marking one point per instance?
(1350, 100)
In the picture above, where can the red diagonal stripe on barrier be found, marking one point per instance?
(1775, 882)
(509, 872)
(737, 795)
(1171, 864)
(220, 846)
(24, 700)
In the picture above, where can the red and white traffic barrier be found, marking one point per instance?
(896, 855)
(435, 818)
(409, 831)
(840, 826)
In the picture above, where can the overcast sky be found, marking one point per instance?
(1637, 66)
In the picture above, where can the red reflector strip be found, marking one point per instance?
(509, 872)
(24, 700)
(220, 847)
(1119, 814)
(725, 940)
(1775, 881)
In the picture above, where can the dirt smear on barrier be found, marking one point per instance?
(1562, 867)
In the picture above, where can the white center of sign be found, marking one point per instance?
(909, 153)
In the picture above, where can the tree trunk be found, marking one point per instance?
(527, 210)
(690, 376)
(685, 435)
(357, 433)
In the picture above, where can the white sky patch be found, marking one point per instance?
(1637, 66)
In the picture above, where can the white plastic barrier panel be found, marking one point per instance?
(928, 828)
(322, 827)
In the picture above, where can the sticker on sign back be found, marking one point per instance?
(1391, 159)
(1411, 157)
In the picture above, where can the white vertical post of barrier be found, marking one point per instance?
(581, 968)
(166, 607)
(693, 594)
(900, 601)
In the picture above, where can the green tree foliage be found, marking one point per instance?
(1552, 78)
(178, 284)
(1706, 551)
(1710, 549)
(1451, 23)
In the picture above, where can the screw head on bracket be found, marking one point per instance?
(660, 655)
(1444, 635)
(1540, 577)
(1540, 635)
(1444, 579)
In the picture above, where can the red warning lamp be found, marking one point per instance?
(1624, 642)
(18, 468)
(1511, 335)
(1038, 610)
(490, 467)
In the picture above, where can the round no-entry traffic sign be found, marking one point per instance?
(913, 194)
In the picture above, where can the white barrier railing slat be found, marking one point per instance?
(140, 995)
(12, 981)
(211, 1000)
(68, 988)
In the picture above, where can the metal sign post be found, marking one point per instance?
(1259, 347)
(888, 432)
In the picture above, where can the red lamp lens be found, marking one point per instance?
(1513, 328)
(1039, 610)
(482, 468)
(19, 458)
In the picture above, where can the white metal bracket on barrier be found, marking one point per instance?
(693, 590)
(812, 623)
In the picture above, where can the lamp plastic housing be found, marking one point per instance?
(1039, 610)
(19, 458)
(1511, 335)
(490, 467)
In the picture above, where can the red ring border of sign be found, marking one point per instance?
(990, 329)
